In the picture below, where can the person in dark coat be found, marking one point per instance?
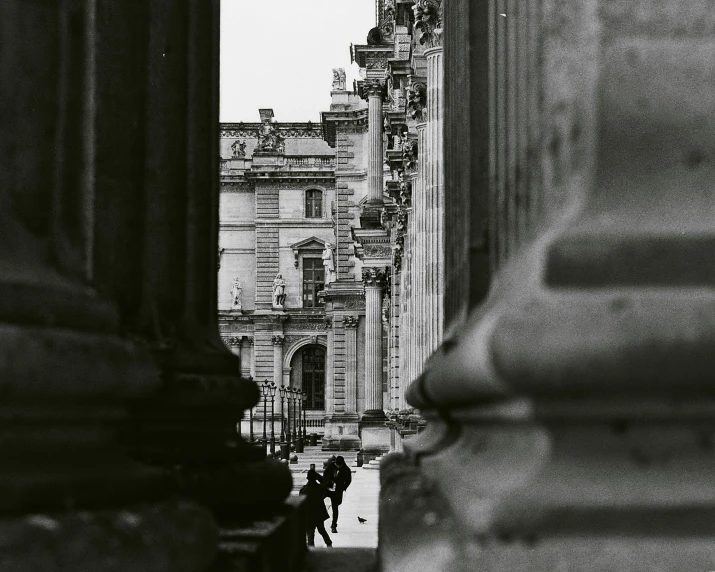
(316, 513)
(336, 479)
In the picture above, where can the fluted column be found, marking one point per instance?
(434, 196)
(374, 280)
(375, 159)
(420, 210)
(156, 232)
(67, 489)
(351, 324)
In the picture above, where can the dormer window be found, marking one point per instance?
(314, 204)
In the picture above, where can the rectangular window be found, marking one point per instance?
(313, 281)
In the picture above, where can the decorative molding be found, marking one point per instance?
(380, 64)
(351, 321)
(278, 340)
(428, 20)
(377, 250)
(372, 277)
(234, 340)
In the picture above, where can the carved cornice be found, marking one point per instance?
(374, 277)
(308, 130)
(351, 321)
(428, 20)
(416, 100)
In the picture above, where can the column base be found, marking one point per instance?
(376, 437)
(342, 433)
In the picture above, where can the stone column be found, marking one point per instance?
(156, 230)
(374, 280)
(329, 373)
(422, 325)
(434, 196)
(277, 359)
(351, 324)
(375, 158)
(252, 347)
(67, 489)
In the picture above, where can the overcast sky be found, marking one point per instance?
(280, 54)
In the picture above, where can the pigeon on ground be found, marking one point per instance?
(362, 520)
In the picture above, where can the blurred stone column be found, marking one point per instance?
(67, 490)
(157, 243)
(579, 396)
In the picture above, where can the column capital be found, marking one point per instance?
(277, 340)
(351, 321)
(428, 20)
(373, 88)
(374, 277)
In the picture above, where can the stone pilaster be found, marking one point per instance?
(350, 323)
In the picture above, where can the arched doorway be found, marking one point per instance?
(308, 373)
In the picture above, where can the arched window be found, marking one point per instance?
(308, 373)
(314, 204)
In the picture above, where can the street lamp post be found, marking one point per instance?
(305, 422)
(289, 437)
(272, 392)
(299, 441)
(250, 429)
(282, 393)
(293, 425)
(264, 392)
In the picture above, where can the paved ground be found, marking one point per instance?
(361, 499)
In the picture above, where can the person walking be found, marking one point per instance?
(336, 479)
(316, 513)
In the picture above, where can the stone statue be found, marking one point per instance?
(329, 263)
(239, 149)
(338, 79)
(236, 295)
(279, 289)
(270, 139)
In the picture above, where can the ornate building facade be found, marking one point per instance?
(289, 300)
(345, 219)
